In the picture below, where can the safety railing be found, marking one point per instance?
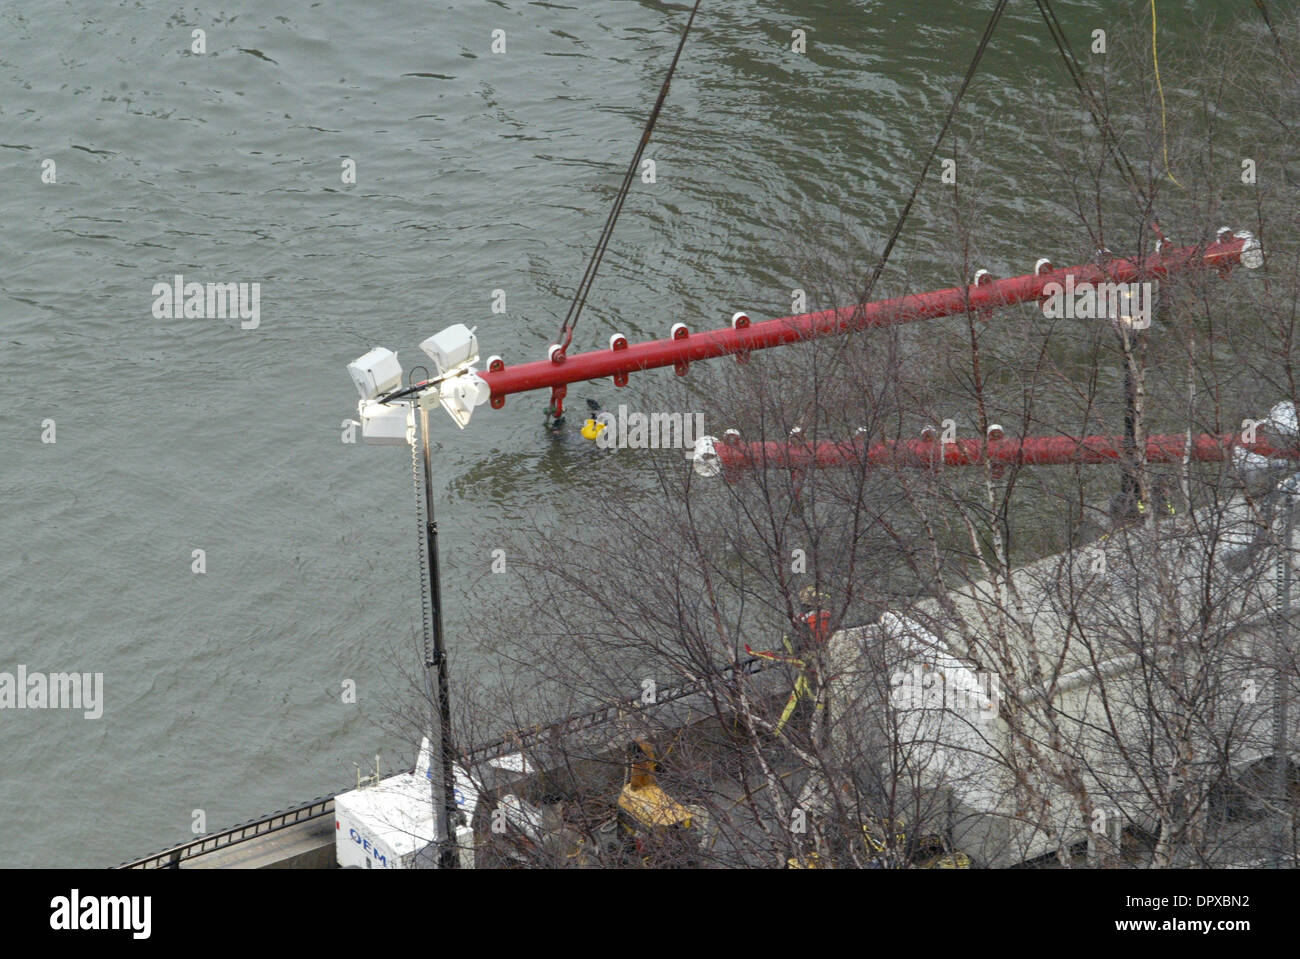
(173, 857)
(514, 742)
(522, 739)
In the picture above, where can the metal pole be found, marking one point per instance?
(1130, 491)
(1280, 691)
(436, 669)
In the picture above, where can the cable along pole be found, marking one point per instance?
(1282, 665)
(441, 771)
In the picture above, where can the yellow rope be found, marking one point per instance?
(1164, 133)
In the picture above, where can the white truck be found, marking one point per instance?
(389, 824)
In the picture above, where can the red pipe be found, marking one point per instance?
(1030, 451)
(683, 347)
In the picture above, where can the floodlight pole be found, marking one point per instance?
(1281, 764)
(1130, 489)
(444, 798)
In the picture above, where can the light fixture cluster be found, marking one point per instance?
(457, 386)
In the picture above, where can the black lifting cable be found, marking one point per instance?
(589, 277)
(916, 187)
(1277, 39)
(1126, 172)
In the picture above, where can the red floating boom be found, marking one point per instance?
(683, 347)
(931, 453)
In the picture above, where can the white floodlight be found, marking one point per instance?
(1283, 430)
(454, 348)
(1252, 251)
(460, 394)
(387, 424)
(1282, 421)
(705, 457)
(375, 373)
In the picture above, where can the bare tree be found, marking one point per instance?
(901, 664)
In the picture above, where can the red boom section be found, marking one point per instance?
(683, 347)
(1030, 451)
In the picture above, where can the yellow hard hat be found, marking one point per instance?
(811, 596)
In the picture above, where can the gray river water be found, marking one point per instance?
(475, 171)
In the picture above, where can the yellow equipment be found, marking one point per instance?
(875, 831)
(802, 687)
(654, 824)
(947, 860)
(875, 837)
(644, 803)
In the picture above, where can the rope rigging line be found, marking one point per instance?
(423, 556)
(589, 277)
(1277, 39)
(925, 169)
(1164, 128)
